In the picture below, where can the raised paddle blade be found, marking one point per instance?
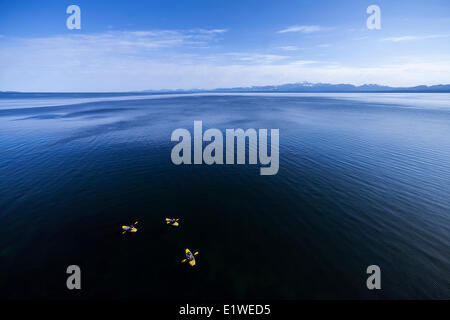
(136, 222)
(196, 253)
(183, 261)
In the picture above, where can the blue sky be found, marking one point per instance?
(138, 45)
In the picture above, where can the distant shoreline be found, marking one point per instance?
(194, 92)
(304, 87)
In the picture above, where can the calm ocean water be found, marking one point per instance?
(364, 179)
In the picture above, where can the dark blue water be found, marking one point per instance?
(363, 179)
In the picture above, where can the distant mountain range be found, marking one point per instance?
(321, 87)
(294, 87)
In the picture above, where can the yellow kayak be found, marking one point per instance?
(173, 222)
(129, 229)
(190, 257)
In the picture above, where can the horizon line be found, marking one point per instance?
(301, 85)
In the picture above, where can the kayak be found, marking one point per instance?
(192, 262)
(175, 224)
(127, 228)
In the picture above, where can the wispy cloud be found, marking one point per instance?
(211, 31)
(255, 58)
(85, 47)
(295, 48)
(303, 29)
(415, 38)
(289, 48)
(303, 62)
(137, 60)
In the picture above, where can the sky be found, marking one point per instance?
(139, 45)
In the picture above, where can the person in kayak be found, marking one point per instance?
(172, 222)
(130, 228)
(190, 257)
